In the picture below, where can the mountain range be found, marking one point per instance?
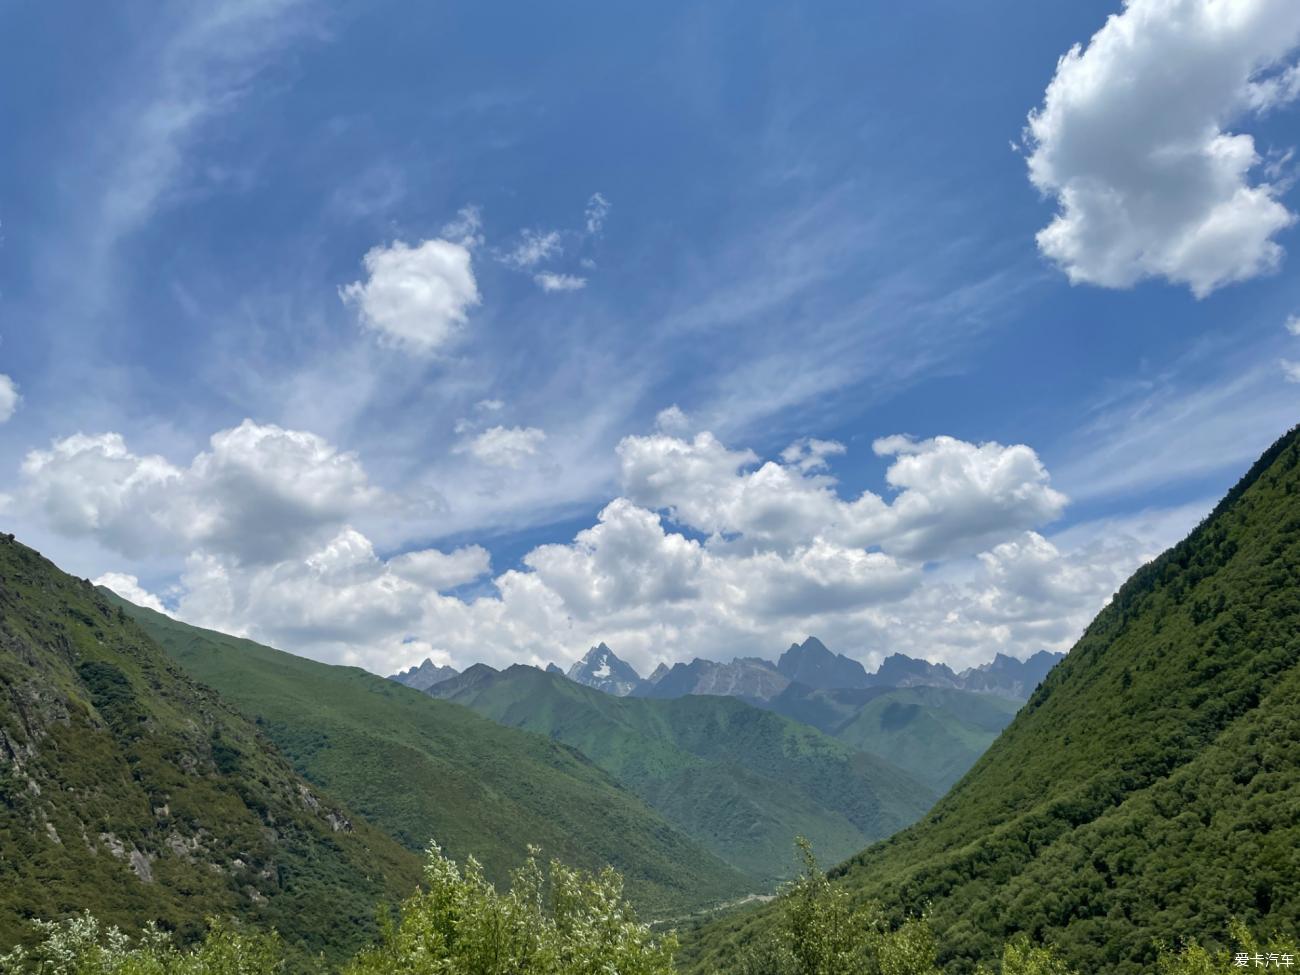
(422, 769)
(754, 679)
(812, 665)
(737, 779)
(1147, 792)
(425, 675)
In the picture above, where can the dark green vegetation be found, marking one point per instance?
(1150, 788)
(740, 780)
(423, 769)
(934, 733)
(560, 921)
(131, 791)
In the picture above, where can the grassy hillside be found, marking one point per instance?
(1150, 788)
(740, 780)
(129, 790)
(425, 769)
(935, 733)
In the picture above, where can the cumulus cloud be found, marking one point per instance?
(504, 446)
(1293, 325)
(9, 398)
(1290, 370)
(550, 282)
(258, 493)
(1132, 142)
(672, 419)
(441, 571)
(809, 454)
(954, 497)
(708, 551)
(416, 298)
(129, 588)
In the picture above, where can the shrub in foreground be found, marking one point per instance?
(555, 922)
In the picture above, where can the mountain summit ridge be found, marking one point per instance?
(602, 669)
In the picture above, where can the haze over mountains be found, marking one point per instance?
(921, 718)
(739, 780)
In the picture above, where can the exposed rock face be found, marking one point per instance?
(900, 670)
(1008, 677)
(602, 669)
(812, 665)
(132, 786)
(424, 676)
(745, 677)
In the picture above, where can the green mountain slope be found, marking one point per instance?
(131, 791)
(1150, 788)
(935, 733)
(425, 769)
(740, 780)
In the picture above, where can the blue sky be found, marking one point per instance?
(787, 223)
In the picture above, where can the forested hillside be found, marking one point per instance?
(129, 790)
(1148, 790)
(424, 769)
(740, 780)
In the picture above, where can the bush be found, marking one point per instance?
(78, 946)
(818, 932)
(558, 922)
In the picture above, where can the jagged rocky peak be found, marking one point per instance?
(749, 678)
(425, 675)
(900, 670)
(1008, 677)
(658, 673)
(810, 663)
(554, 669)
(468, 678)
(602, 669)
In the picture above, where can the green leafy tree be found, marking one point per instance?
(1193, 959)
(80, 946)
(820, 932)
(1022, 957)
(555, 922)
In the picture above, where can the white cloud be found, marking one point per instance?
(1131, 142)
(9, 398)
(954, 497)
(504, 446)
(768, 552)
(551, 282)
(441, 571)
(466, 229)
(1291, 370)
(673, 420)
(259, 493)
(809, 454)
(596, 212)
(416, 298)
(129, 588)
(1293, 325)
(534, 247)
(1174, 427)
(960, 497)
